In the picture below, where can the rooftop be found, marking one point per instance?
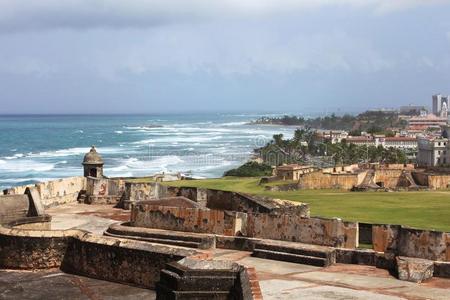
(92, 157)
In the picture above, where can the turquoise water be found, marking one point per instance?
(38, 148)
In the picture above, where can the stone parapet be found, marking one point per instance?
(80, 252)
(54, 192)
(405, 241)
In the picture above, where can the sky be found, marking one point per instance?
(175, 56)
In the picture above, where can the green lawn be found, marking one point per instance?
(425, 209)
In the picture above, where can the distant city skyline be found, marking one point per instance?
(191, 56)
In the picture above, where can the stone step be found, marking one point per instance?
(289, 257)
(185, 239)
(174, 281)
(166, 293)
(294, 248)
(157, 240)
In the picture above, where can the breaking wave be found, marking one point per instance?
(18, 166)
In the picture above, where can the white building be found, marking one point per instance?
(333, 136)
(400, 142)
(433, 152)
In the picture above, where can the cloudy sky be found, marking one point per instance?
(159, 56)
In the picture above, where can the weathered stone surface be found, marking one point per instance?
(385, 237)
(441, 269)
(13, 207)
(405, 241)
(54, 284)
(236, 242)
(232, 201)
(113, 259)
(355, 256)
(426, 244)
(448, 247)
(199, 220)
(36, 206)
(207, 279)
(178, 238)
(55, 192)
(317, 231)
(414, 269)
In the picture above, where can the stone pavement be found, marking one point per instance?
(284, 281)
(56, 285)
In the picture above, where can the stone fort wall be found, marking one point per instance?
(284, 226)
(321, 180)
(78, 252)
(55, 192)
(401, 240)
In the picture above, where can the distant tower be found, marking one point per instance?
(444, 110)
(93, 164)
(438, 105)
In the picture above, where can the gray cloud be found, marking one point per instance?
(85, 14)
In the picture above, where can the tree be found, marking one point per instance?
(278, 139)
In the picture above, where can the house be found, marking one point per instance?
(292, 171)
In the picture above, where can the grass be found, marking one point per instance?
(422, 209)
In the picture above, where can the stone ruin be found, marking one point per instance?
(165, 243)
(364, 177)
(172, 223)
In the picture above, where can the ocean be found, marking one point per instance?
(37, 148)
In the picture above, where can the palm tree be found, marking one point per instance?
(278, 138)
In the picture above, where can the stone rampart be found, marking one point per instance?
(55, 192)
(79, 252)
(317, 231)
(232, 201)
(286, 227)
(434, 180)
(438, 181)
(388, 177)
(144, 214)
(321, 180)
(404, 241)
(33, 249)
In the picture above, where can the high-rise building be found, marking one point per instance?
(441, 105)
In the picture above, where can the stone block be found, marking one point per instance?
(36, 206)
(442, 269)
(448, 247)
(384, 237)
(414, 269)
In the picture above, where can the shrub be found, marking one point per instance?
(250, 169)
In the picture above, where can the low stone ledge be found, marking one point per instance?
(414, 269)
(32, 249)
(102, 199)
(29, 221)
(241, 243)
(355, 256)
(75, 251)
(441, 269)
(204, 241)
